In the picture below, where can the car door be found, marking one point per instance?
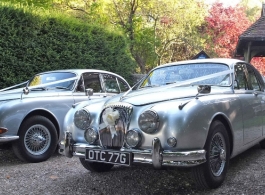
(88, 80)
(113, 84)
(249, 90)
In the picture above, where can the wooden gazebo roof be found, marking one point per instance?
(251, 43)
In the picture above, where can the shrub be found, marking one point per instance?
(32, 43)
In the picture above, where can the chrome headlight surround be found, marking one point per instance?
(91, 135)
(133, 138)
(82, 119)
(148, 121)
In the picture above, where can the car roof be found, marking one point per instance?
(80, 71)
(229, 61)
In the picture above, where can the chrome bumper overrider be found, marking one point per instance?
(156, 156)
(8, 138)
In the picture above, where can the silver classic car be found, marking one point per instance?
(31, 118)
(197, 114)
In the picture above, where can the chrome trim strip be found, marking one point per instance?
(154, 156)
(11, 87)
(7, 138)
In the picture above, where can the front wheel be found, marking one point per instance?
(37, 140)
(211, 174)
(262, 144)
(95, 166)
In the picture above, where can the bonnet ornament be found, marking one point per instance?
(109, 118)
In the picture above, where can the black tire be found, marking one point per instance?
(211, 174)
(95, 166)
(262, 144)
(37, 140)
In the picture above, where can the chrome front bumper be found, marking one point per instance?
(8, 138)
(155, 156)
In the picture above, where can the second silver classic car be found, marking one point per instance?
(197, 113)
(31, 118)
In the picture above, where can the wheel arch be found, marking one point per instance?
(46, 114)
(227, 124)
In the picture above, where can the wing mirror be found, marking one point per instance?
(204, 89)
(26, 90)
(89, 92)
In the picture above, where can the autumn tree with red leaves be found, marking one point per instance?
(259, 63)
(223, 26)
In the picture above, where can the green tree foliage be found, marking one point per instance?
(253, 8)
(156, 31)
(91, 11)
(160, 31)
(31, 3)
(126, 15)
(176, 27)
(30, 44)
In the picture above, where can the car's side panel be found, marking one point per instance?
(14, 112)
(263, 114)
(252, 116)
(190, 125)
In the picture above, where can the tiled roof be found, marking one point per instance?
(252, 39)
(256, 30)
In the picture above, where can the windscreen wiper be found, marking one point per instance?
(150, 86)
(39, 89)
(60, 87)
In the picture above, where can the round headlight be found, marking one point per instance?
(148, 121)
(91, 135)
(82, 119)
(133, 138)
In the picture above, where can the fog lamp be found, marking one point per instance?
(133, 138)
(172, 141)
(91, 135)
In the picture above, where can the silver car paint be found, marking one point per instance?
(229, 105)
(15, 106)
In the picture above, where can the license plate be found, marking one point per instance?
(109, 156)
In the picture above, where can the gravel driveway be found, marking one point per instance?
(60, 175)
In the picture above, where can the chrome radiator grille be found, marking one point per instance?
(112, 134)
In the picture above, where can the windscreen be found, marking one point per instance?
(195, 73)
(54, 78)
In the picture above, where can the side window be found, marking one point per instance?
(111, 84)
(123, 86)
(252, 79)
(240, 77)
(92, 80)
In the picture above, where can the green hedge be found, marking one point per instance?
(30, 43)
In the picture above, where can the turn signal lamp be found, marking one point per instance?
(3, 130)
(172, 142)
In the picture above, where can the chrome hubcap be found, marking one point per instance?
(222, 154)
(217, 154)
(37, 139)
